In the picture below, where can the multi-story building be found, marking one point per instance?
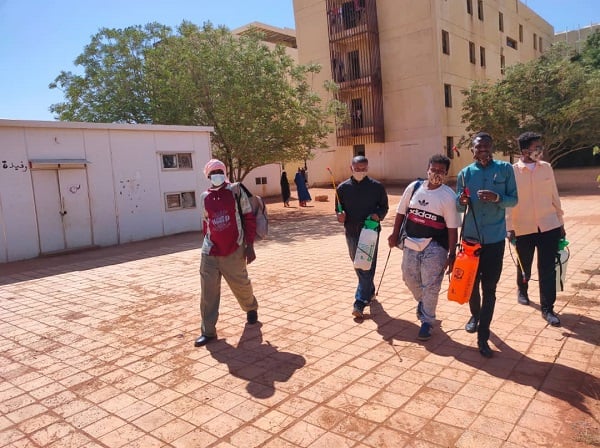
(576, 38)
(400, 66)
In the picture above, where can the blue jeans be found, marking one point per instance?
(423, 273)
(366, 285)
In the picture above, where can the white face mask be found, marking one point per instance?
(536, 155)
(217, 179)
(359, 175)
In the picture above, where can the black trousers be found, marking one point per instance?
(546, 244)
(482, 302)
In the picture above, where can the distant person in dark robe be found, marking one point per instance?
(285, 189)
(303, 194)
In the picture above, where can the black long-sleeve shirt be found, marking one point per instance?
(360, 200)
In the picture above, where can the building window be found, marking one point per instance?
(482, 56)
(480, 9)
(260, 180)
(521, 33)
(448, 95)
(472, 53)
(501, 21)
(349, 15)
(502, 64)
(511, 43)
(356, 113)
(177, 161)
(353, 65)
(540, 45)
(534, 41)
(358, 150)
(181, 200)
(445, 42)
(470, 7)
(450, 147)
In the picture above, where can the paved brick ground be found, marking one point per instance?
(96, 350)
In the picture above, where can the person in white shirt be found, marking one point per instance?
(536, 222)
(432, 220)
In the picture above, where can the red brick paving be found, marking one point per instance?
(96, 350)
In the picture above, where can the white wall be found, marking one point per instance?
(19, 238)
(273, 174)
(117, 197)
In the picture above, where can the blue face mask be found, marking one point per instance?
(217, 179)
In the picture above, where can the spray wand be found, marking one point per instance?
(339, 204)
(523, 276)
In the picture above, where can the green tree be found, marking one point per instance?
(113, 88)
(260, 103)
(590, 53)
(552, 95)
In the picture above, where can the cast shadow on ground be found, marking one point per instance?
(580, 327)
(577, 326)
(562, 382)
(261, 364)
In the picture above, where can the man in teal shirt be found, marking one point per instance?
(485, 189)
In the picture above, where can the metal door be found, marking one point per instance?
(63, 209)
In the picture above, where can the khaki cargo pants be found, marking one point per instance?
(233, 269)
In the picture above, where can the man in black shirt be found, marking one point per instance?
(359, 198)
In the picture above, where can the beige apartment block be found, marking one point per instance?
(576, 38)
(400, 66)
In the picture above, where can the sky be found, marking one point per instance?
(41, 38)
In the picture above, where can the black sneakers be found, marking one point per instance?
(551, 318)
(424, 332)
(471, 326)
(523, 299)
(485, 350)
(358, 309)
(252, 317)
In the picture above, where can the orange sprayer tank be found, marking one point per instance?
(464, 272)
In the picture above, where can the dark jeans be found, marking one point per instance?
(488, 275)
(366, 285)
(546, 244)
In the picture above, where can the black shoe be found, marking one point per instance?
(203, 340)
(424, 332)
(471, 326)
(252, 317)
(523, 299)
(485, 350)
(551, 318)
(358, 309)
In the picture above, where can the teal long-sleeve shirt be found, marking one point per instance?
(485, 221)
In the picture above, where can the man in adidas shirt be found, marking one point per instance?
(432, 220)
